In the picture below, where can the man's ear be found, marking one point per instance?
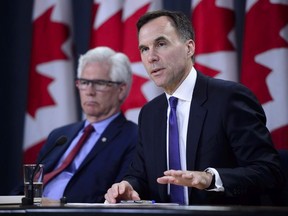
(190, 47)
(122, 91)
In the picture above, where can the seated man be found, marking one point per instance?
(103, 79)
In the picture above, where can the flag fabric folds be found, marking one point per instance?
(51, 98)
(264, 62)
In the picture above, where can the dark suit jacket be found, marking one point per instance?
(105, 164)
(226, 131)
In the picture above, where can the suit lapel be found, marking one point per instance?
(196, 120)
(160, 144)
(109, 133)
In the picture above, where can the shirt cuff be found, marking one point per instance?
(218, 187)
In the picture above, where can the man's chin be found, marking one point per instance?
(158, 82)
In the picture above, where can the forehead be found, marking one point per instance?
(158, 27)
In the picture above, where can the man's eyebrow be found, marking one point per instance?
(160, 38)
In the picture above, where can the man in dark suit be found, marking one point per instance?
(226, 153)
(104, 80)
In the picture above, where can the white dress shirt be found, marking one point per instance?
(184, 94)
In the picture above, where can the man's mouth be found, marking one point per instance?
(91, 103)
(154, 71)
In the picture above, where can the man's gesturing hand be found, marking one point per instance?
(196, 179)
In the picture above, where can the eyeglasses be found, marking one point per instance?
(97, 85)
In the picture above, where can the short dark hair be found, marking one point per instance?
(180, 21)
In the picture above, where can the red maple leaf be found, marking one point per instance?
(130, 38)
(122, 36)
(48, 37)
(109, 33)
(136, 97)
(263, 24)
(212, 25)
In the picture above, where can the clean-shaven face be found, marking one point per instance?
(166, 57)
(99, 105)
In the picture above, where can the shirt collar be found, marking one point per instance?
(101, 126)
(185, 90)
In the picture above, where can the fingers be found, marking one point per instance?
(175, 173)
(166, 180)
(121, 191)
(112, 194)
(200, 180)
(116, 191)
(195, 179)
(188, 175)
(135, 195)
(171, 177)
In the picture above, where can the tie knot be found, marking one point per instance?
(173, 102)
(89, 129)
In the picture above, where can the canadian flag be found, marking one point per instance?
(51, 98)
(114, 25)
(265, 65)
(215, 41)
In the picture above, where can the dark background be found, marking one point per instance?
(15, 47)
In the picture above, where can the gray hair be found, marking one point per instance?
(120, 65)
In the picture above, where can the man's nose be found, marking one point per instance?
(152, 56)
(90, 88)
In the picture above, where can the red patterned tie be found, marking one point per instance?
(87, 132)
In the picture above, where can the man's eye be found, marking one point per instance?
(83, 82)
(100, 83)
(144, 49)
(160, 44)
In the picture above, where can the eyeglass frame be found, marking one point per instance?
(95, 83)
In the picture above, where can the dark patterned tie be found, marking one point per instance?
(87, 132)
(176, 192)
